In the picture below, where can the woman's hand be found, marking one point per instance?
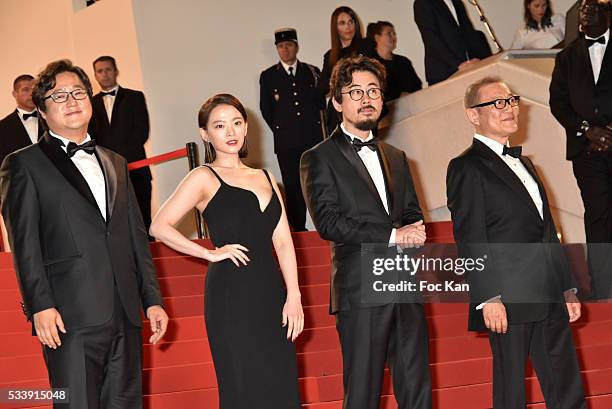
(234, 252)
(293, 316)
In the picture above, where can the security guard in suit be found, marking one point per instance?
(291, 106)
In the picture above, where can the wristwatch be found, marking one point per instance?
(584, 127)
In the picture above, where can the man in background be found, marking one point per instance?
(120, 122)
(291, 106)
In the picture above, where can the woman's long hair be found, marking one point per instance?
(336, 44)
(530, 22)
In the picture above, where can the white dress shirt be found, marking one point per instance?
(109, 102)
(545, 38)
(372, 164)
(524, 176)
(294, 66)
(451, 7)
(30, 124)
(90, 169)
(596, 53)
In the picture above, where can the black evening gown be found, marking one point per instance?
(255, 363)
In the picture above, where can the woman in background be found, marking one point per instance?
(542, 29)
(346, 40)
(401, 76)
(251, 315)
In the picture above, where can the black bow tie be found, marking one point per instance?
(111, 93)
(30, 115)
(372, 144)
(589, 42)
(515, 151)
(87, 147)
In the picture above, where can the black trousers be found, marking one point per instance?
(395, 333)
(593, 173)
(289, 163)
(550, 346)
(101, 366)
(142, 188)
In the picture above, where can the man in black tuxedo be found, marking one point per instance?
(291, 106)
(450, 40)
(581, 100)
(22, 127)
(80, 250)
(360, 190)
(525, 296)
(120, 122)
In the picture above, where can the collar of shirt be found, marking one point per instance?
(606, 35)
(286, 67)
(370, 136)
(23, 111)
(115, 88)
(67, 141)
(495, 146)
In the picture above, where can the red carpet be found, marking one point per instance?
(179, 374)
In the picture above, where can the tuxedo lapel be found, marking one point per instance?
(500, 169)
(583, 54)
(98, 106)
(67, 168)
(346, 148)
(448, 15)
(546, 216)
(388, 175)
(605, 64)
(110, 177)
(22, 132)
(117, 104)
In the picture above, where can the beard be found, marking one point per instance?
(366, 125)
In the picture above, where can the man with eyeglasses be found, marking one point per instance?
(80, 251)
(525, 297)
(581, 100)
(359, 190)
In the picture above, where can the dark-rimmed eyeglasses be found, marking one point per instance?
(357, 94)
(500, 103)
(591, 8)
(62, 96)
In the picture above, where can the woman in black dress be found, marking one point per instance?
(401, 76)
(253, 311)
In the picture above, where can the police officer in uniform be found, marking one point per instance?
(291, 106)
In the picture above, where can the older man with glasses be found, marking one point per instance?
(524, 299)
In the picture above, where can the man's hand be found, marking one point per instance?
(573, 305)
(159, 322)
(411, 234)
(46, 324)
(467, 64)
(600, 138)
(495, 318)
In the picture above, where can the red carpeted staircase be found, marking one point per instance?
(179, 374)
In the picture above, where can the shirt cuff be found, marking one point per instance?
(392, 238)
(481, 305)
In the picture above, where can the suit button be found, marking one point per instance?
(596, 110)
(277, 127)
(107, 234)
(293, 84)
(297, 103)
(295, 93)
(298, 114)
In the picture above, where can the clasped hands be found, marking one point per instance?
(599, 137)
(496, 319)
(411, 235)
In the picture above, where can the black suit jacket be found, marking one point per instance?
(13, 135)
(574, 96)
(65, 254)
(447, 44)
(291, 106)
(493, 214)
(346, 207)
(129, 127)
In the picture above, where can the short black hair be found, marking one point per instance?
(342, 75)
(105, 58)
(22, 77)
(46, 80)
